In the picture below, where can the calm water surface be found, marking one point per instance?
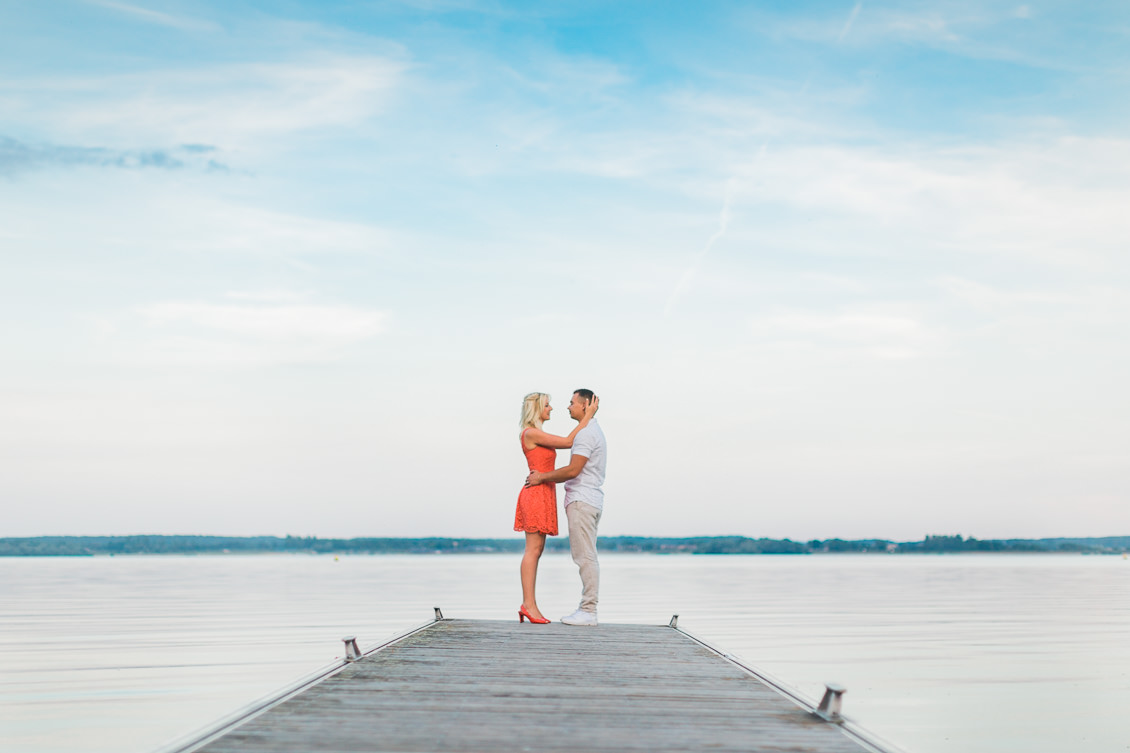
(950, 653)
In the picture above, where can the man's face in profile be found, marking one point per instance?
(577, 407)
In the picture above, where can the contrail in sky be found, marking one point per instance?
(851, 20)
(692, 270)
(723, 224)
(731, 184)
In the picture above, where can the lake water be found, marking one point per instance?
(963, 653)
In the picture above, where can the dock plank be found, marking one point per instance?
(473, 685)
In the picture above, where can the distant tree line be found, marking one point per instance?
(57, 546)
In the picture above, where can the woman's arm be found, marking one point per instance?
(545, 439)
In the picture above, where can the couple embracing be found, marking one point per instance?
(584, 498)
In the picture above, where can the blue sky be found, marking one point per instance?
(838, 269)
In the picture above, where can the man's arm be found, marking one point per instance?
(564, 473)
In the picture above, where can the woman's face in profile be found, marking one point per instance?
(546, 411)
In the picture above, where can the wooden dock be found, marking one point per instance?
(474, 685)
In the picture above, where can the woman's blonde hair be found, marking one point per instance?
(532, 406)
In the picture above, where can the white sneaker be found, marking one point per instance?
(580, 617)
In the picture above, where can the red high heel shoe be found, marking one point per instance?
(524, 614)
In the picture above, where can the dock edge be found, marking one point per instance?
(195, 740)
(865, 738)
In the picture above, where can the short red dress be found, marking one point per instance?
(537, 505)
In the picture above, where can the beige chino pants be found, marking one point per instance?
(583, 520)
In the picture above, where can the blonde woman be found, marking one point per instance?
(537, 505)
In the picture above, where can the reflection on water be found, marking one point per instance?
(952, 653)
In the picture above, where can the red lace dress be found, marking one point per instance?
(537, 505)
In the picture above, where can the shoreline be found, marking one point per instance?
(112, 546)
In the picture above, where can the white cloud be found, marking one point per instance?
(443, 6)
(878, 334)
(218, 225)
(879, 24)
(156, 17)
(229, 105)
(249, 334)
(1061, 200)
(960, 27)
(160, 219)
(1038, 194)
(269, 296)
(337, 324)
(990, 298)
(925, 26)
(1054, 321)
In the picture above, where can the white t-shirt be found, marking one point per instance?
(588, 443)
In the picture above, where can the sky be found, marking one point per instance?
(835, 269)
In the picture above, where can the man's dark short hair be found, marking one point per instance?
(586, 395)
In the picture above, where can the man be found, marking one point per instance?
(584, 502)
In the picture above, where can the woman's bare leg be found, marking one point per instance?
(535, 545)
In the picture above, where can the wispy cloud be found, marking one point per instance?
(335, 324)
(876, 333)
(573, 77)
(1056, 200)
(224, 333)
(932, 26)
(270, 296)
(16, 157)
(1045, 320)
(447, 6)
(227, 226)
(184, 218)
(156, 17)
(227, 105)
(975, 30)
(995, 299)
(925, 25)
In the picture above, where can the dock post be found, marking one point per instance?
(674, 621)
(352, 653)
(439, 613)
(831, 705)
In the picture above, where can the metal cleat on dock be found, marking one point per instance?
(831, 705)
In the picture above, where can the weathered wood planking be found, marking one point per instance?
(466, 685)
